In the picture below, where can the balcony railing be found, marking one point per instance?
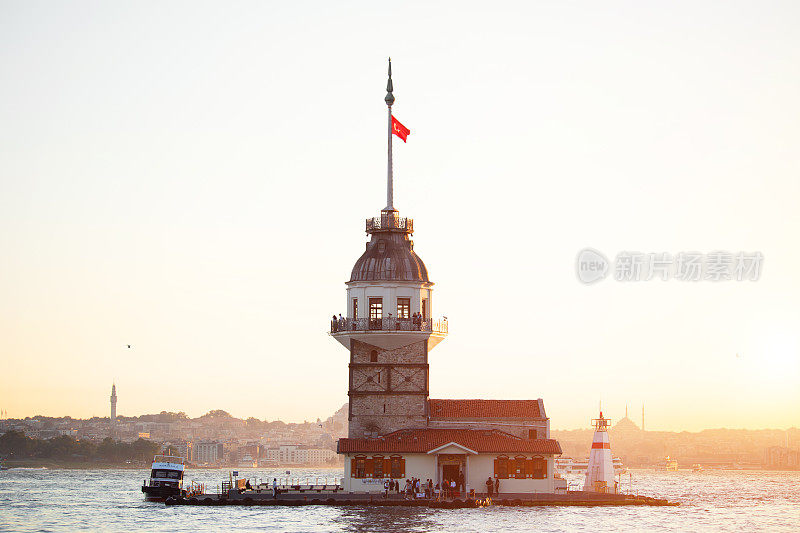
(388, 221)
(344, 325)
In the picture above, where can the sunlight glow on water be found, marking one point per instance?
(111, 500)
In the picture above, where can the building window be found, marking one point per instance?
(398, 467)
(355, 308)
(425, 309)
(532, 434)
(377, 468)
(403, 307)
(518, 468)
(373, 356)
(359, 467)
(538, 468)
(375, 313)
(501, 467)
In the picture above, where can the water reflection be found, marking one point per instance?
(368, 519)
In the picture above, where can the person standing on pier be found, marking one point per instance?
(274, 488)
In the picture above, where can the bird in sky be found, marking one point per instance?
(128, 345)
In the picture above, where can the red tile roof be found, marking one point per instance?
(526, 409)
(425, 440)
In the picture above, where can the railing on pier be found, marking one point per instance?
(389, 324)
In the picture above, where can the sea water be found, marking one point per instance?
(111, 500)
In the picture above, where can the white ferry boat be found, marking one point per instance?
(568, 465)
(166, 479)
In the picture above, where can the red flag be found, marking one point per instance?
(399, 130)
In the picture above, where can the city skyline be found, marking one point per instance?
(202, 201)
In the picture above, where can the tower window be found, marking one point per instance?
(373, 356)
(425, 309)
(403, 307)
(375, 313)
(355, 308)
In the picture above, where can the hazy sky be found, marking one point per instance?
(192, 178)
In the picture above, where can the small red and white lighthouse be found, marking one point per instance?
(600, 472)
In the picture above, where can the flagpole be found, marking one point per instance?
(389, 185)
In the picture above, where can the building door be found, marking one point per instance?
(450, 472)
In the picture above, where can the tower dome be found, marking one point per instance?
(390, 253)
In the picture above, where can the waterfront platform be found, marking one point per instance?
(572, 498)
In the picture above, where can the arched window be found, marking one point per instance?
(518, 468)
(501, 467)
(373, 356)
(377, 466)
(398, 467)
(538, 467)
(358, 466)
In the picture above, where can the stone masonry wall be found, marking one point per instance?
(373, 412)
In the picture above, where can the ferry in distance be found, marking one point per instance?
(568, 465)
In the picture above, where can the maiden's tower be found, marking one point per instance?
(395, 430)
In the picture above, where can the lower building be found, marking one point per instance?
(520, 455)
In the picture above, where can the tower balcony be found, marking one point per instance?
(390, 221)
(390, 332)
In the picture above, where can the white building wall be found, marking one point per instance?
(481, 466)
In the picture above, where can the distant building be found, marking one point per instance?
(208, 452)
(295, 454)
(182, 449)
(625, 425)
(781, 458)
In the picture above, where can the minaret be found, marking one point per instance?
(113, 419)
(600, 472)
(388, 328)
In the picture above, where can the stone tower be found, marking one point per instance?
(113, 418)
(389, 328)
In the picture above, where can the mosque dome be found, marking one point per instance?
(625, 425)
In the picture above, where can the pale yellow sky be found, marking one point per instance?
(192, 179)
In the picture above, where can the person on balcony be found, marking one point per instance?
(334, 324)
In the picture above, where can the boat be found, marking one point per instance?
(568, 465)
(166, 479)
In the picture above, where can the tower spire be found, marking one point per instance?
(389, 99)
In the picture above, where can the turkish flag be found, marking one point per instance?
(399, 130)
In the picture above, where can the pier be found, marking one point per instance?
(297, 499)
